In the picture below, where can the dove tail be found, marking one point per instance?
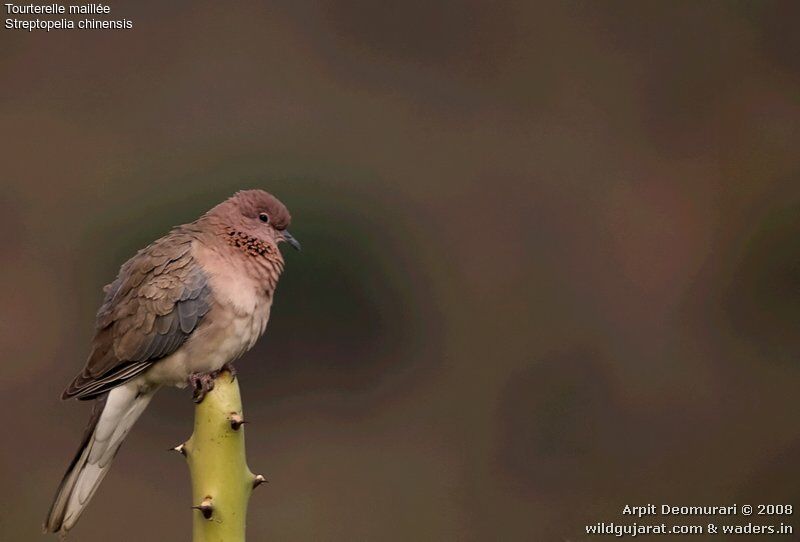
(113, 416)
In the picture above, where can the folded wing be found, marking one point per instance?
(158, 299)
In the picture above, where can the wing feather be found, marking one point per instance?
(156, 302)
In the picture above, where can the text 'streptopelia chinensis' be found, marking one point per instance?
(178, 312)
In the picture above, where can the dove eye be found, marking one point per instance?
(264, 217)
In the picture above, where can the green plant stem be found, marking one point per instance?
(221, 481)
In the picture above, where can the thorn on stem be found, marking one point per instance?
(237, 420)
(258, 480)
(206, 508)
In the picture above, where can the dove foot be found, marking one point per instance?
(201, 384)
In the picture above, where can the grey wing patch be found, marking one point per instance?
(158, 299)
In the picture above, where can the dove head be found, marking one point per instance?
(255, 221)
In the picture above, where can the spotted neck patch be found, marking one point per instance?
(248, 244)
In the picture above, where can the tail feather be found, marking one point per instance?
(113, 416)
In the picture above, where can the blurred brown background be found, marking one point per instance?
(551, 257)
